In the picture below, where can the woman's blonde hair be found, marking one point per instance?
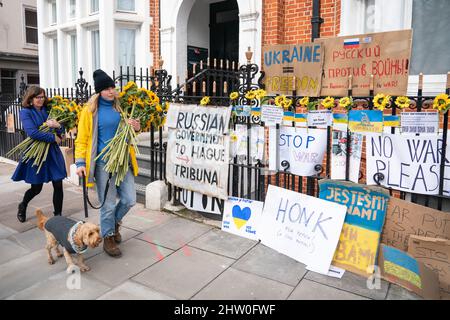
(93, 103)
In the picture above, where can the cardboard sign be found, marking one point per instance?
(302, 227)
(385, 55)
(408, 163)
(435, 254)
(320, 118)
(365, 121)
(198, 149)
(339, 155)
(404, 218)
(201, 202)
(398, 267)
(242, 217)
(293, 66)
(303, 149)
(420, 122)
(361, 233)
(271, 115)
(10, 123)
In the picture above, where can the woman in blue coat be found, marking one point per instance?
(33, 115)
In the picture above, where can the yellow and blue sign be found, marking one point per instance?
(391, 121)
(401, 266)
(365, 121)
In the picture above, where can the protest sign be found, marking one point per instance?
(408, 163)
(385, 55)
(239, 144)
(271, 115)
(404, 218)
(398, 267)
(303, 148)
(339, 155)
(198, 149)
(320, 118)
(201, 202)
(435, 254)
(242, 217)
(420, 122)
(302, 227)
(360, 237)
(289, 66)
(365, 121)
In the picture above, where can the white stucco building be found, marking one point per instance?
(91, 34)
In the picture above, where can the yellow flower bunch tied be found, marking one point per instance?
(381, 101)
(402, 102)
(205, 100)
(328, 102)
(346, 102)
(234, 95)
(441, 102)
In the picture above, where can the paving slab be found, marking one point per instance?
(351, 282)
(62, 286)
(268, 263)
(396, 292)
(141, 219)
(223, 243)
(6, 232)
(310, 290)
(175, 233)
(234, 284)
(131, 290)
(33, 239)
(23, 272)
(137, 255)
(184, 273)
(10, 250)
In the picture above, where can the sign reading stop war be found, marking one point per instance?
(385, 55)
(284, 62)
(198, 149)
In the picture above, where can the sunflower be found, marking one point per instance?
(233, 137)
(129, 86)
(304, 101)
(346, 102)
(328, 102)
(287, 103)
(260, 93)
(159, 108)
(132, 100)
(402, 102)
(250, 95)
(441, 102)
(205, 100)
(279, 100)
(234, 95)
(381, 101)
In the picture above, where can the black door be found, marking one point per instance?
(224, 30)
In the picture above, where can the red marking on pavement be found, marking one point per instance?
(154, 248)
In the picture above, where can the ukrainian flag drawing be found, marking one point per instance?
(340, 118)
(399, 265)
(289, 116)
(391, 121)
(365, 121)
(301, 118)
(256, 111)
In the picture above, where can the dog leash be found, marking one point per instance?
(86, 200)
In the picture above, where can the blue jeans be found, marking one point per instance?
(112, 212)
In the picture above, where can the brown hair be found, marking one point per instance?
(31, 93)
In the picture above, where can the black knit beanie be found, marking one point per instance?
(102, 81)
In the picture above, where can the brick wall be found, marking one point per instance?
(154, 32)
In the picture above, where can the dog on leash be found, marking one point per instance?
(75, 238)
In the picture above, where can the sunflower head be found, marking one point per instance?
(287, 103)
(346, 102)
(381, 101)
(279, 100)
(205, 100)
(234, 95)
(260, 93)
(441, 102)
(402, 102)
(328, 102)
(304, 101)
(250, 95)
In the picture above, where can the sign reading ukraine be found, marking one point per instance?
(365, 121)
(361, 233)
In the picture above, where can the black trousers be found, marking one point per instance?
(58, 195)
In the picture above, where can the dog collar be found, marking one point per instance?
(72, 232)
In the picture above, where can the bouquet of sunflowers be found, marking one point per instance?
(136, 103)
(62, 110)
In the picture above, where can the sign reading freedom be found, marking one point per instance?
(198, 149)
(284, 62)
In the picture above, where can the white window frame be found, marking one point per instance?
(91, 7)
(73, 58)
(29, 44)
(69, 8)
(55, 61)
(124, 10)
(136, 33)
(92, 47)
(52, 3)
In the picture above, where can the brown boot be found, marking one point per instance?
(110, 247)
(117, 235)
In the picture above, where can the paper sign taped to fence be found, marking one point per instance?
(242, 217)
(238, 146)
(198, 149)
(201, 202)
(361, 233)
(398, 267)
(302, 227)
(404, 218)
(420, 122)
(296, 66)
(407, 163)
(303, 149)
(339, 155)
(271, 115)
(385, 55)
(435, 254)
(365, 121)
(10, 123)
(320, 118)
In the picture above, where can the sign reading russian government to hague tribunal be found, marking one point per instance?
(302, 227)
(404, 218)
(198, 149)
(289, 66)
(242, 217)
(408, 163)
(366, 209)
(303, 148)
(385, 55)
